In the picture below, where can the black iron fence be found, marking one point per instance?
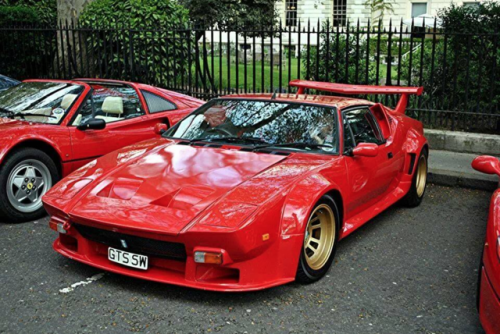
(460, 72)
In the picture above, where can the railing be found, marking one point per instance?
(460, 72)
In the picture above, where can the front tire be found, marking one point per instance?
(320, 241)
(25, 176)
(417, 190)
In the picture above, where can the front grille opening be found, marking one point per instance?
(134, 244)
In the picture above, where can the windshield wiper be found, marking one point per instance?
(8, 112)
(21, 114)
(295, 145)
(250, 140)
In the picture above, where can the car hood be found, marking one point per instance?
(166, 188)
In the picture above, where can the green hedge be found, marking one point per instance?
(17, 15)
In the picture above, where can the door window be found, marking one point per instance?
(360, 126)
(110, 103)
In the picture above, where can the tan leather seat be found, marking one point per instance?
(112, 105)
(67, 100)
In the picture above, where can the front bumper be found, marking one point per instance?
(489, 306)
(257, 271)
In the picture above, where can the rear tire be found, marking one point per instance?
(419, 183)
(320, 241)
(25, 176)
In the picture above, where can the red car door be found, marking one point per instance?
(126, 122)
(369, 178)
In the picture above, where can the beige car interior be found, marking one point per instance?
(112, 107)
(54, 118)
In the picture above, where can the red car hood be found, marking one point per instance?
(166, 188)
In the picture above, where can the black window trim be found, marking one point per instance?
(356, 107)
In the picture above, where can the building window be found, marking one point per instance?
(339, 13)
(418, 8)
(291, 13)
(471, 4)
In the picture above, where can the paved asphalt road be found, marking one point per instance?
(407, 271)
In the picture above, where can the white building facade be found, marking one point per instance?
(338, 12)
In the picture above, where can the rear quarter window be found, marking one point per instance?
(157, 103)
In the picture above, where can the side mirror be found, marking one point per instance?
(486, 164)
(92, 124)
(365, 150)
(160, 128)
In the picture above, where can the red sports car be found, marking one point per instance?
(489, 274)
(49, 128)
(247, 192)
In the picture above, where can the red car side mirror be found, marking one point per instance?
(160, 128)
(487, 164)
(366, 150)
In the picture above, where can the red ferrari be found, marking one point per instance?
(49, 128)
(247, 192)
(489, 271)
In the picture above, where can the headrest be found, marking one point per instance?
(67, 100)
(113, 105)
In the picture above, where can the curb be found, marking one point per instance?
(463, 142)
(450, 179)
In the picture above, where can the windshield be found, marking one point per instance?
(262, 124)
(41, 102)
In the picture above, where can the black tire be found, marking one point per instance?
(413, 198)
(306, 274)
(479, 277)
(8, 213)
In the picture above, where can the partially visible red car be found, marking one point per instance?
(489, 275)
(49, 128)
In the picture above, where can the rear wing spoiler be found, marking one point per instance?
(360, 90)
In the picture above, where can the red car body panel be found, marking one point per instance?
(489, 295)
(75, 148)
(251, 207)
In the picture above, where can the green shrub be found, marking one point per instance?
(157, 55)
(17, 16)
(46, 10)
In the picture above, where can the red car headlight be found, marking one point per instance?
(228, 214)
(68, 188)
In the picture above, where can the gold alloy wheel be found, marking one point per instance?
(421, 175)
(319, 237)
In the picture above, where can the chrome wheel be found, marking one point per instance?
(319, 237)
(421, 176)
(27, 183)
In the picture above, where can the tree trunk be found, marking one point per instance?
(70, 58)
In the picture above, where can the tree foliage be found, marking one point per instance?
(461, 72)
(342, 59)
(232, 14)
(148, 40)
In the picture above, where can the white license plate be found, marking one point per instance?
(128, 259)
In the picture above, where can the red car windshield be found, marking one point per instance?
(263, 124)
(41, 102)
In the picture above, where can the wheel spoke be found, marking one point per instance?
(311, 246)
(311, 249)
(314, 227)
(30, 172)
(315, 219)
(21, 195)
(33, 196)
(18, 181)
(314, 240)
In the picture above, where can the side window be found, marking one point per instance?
(110, 103)
(157, 103)
(360, 126)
